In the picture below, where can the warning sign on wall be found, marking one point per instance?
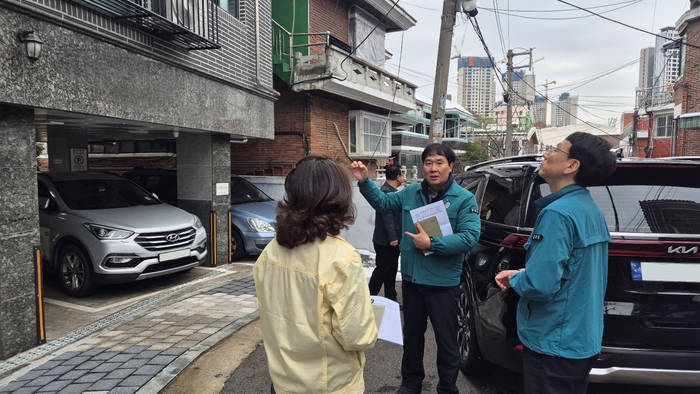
(78, 159)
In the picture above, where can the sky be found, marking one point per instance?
(574, 45)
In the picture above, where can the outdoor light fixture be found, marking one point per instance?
(32, 44)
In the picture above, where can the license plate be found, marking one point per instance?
(665, 272)
(178, 254)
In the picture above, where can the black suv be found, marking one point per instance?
(652, 301)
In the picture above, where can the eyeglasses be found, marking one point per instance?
(554, 148)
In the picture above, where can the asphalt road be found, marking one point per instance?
(383, 375)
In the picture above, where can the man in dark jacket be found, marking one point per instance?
(387, 233)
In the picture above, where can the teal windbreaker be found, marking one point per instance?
(560, 312)
(443, 267)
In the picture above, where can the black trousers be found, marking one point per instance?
(545, 374)
(440, 304)
(384, 273)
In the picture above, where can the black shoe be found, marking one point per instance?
(406, 390)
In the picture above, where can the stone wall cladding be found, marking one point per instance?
(233, 63)
(18, 231)
(81, 73)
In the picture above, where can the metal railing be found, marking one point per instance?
(190, 24)
(654, 97)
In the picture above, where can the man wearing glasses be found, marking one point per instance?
(387, 233)
(561, 289)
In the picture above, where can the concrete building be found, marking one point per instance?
(539, 112)
(116, 77)
(666, 58)
(565, 110)
(336, 98)
(522, 86)
(646, 68)
(412, 129)
(476, 85)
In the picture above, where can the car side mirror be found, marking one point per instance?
(44, 203)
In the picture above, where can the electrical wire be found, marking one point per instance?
(558, 18)
(679, 41)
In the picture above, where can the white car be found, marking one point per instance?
(100, 228)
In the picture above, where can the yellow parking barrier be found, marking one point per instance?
(39, 277)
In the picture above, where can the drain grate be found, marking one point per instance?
(81, 333)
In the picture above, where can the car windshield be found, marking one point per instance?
(102, 194)
(243, 191)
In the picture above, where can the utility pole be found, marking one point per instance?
(509, 110)
(442, 71)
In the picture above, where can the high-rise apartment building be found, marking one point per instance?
(646, 68)
(522, 86)
(539, 112)
(666, 58)
(565, 111)
(476, 85)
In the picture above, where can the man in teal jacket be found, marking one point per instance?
(430, 283)
(560, 312)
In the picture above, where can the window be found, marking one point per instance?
(370, 134)
(230, 6)
(664, 126)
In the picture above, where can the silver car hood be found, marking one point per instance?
(139, 218)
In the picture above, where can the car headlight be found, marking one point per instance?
(260, 226)
(197, 222)
(104, 232)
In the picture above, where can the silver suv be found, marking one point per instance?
(100, 228)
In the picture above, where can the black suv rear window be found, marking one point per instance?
(648, 199)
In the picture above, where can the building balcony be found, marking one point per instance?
(188, 24)
(654, 97)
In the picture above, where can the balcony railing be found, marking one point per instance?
(331, 68)
(654, 97)
(189, 24)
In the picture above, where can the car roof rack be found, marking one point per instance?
(504, 160)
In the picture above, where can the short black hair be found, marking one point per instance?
(593, 153)
(441, 150)
(392, 172)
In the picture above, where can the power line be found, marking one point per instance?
(679, 41)
(560, 18)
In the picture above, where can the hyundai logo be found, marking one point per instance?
(172, 237)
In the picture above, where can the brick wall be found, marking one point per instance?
(687, 91)
(331, 16)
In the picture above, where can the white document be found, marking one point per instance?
(433, 220)
(388, 317)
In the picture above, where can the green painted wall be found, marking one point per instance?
(290, 14)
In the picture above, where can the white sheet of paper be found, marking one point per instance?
(390, 328)
(436, 209)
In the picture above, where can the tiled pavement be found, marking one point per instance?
(142, 352)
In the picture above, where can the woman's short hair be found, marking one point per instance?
(317, 202)
(593, 153)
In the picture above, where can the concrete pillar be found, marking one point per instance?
(19, 230)
(204, 160)
(59, 145)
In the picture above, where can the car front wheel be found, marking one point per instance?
(237, 246)
(466, 336)
(75, 272)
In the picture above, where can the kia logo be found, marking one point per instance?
(172, 237)
(682, 249)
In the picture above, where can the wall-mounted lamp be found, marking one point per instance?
(176, 133)
(32, 44)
